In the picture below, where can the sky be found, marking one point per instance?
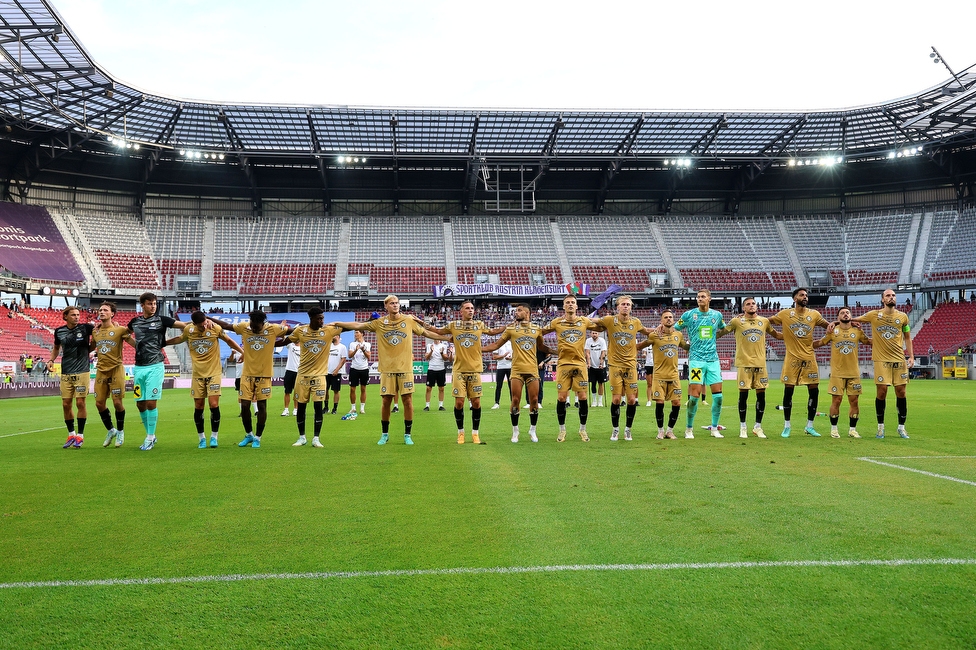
(746, 55)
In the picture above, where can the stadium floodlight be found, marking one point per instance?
(891, 154)
(220, 156)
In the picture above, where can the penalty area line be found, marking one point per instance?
(461, 571)
(24, 433)
(920, 471)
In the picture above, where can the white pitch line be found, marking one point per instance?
(921, 471)
(23, 433)
(558, 568)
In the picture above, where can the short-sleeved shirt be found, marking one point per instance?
(843, 351)
(622, 339)
(798, 331)
(702, 329)
(74, 344)
(316, 346)
(666, 348)
(338, 355)
(525, 337)
(204, 346)
(750, 340)
(888, 335)
(108, 345)
(504, 351)
(150, 336)
(467, 344)
(259, 347)
(595, 347)
(360, 355)
(394, 342)
(570, 340)
(437, 350)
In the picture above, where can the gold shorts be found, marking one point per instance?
(623, 381)
(752, 378)
(800, 372)
(572, 379)
(255, 389)
(466, 384)
(890, 373)
(666, 390)
(524, 377)
(109, 382)
(845, 385)
(396, 383)
(311, 388)
(74, 385)
(201, 387)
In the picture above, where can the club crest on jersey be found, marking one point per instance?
(623, 338)
(800, 330)
(846, 347)
(394, 337)
(572, 335)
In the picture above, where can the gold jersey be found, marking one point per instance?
(750, 340)
(108, 346)
(394, 342)
(843, 352)
(204, 346)
(571, 341)
(888, 332)
(622, 340)
(666, 348)
(525, 337)
(259, 348)
(798, 331)
(314, 346)
(467, 344)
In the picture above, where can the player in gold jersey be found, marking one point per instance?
(468, 365)
(893, 355)
(315, 342)
(622, 330)
(526, 338)
(571, 375)
(750, 332)
(107, 339)
(665, 342)
(394, 345)
(202, 341)
(258, 338)
(800, 364)
(845, 372)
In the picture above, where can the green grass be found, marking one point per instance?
(98, 514)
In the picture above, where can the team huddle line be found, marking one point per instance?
(696, 330)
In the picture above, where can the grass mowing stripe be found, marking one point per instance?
(919, 471)
(557, 568)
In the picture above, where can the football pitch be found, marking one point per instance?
(777, 543)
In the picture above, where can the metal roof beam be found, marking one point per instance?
(394, 123)
(237, 146)
(708, 137)
(317, 148)
(549, 148)
(152, 160)
(750, 172)
(623, 150)
(471, 168)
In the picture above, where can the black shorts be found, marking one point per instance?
(290, 376)
(596, 376)
(359, 377)
(437, 377)
(333, 382)
(237, 384)
(648, 371)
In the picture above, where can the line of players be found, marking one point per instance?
(394, 334)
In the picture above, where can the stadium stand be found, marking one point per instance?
(121, 245)
(513, 248)
(398, 254)
(949, 327)
(951, 244)
(612, 250)
(875, 247)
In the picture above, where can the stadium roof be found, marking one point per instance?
(67, 122)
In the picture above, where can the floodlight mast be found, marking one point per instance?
(938, 58)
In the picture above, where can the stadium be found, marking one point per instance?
(110, 191)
